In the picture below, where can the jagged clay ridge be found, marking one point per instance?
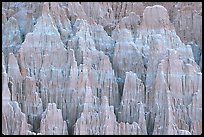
(104, 68)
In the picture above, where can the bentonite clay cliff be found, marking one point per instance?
(103, 68)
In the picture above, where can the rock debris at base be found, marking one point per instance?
(102, 68)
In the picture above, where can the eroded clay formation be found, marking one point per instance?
(105, 68)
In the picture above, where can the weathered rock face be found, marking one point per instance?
(44, 66)
(132, 104)
(11, 38)
(15, 78)
(61, 20)
(103, 68)
(13, 120)
(99, 68)
(52, 125)
(12, 30)
(127, 57)
(25, 21)
(103, 42)
(156, 17)
(165, 44)
(109, 14)
(99, 119)
(181, 95)
(5, 90)
(31, 103)
(188, 19)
